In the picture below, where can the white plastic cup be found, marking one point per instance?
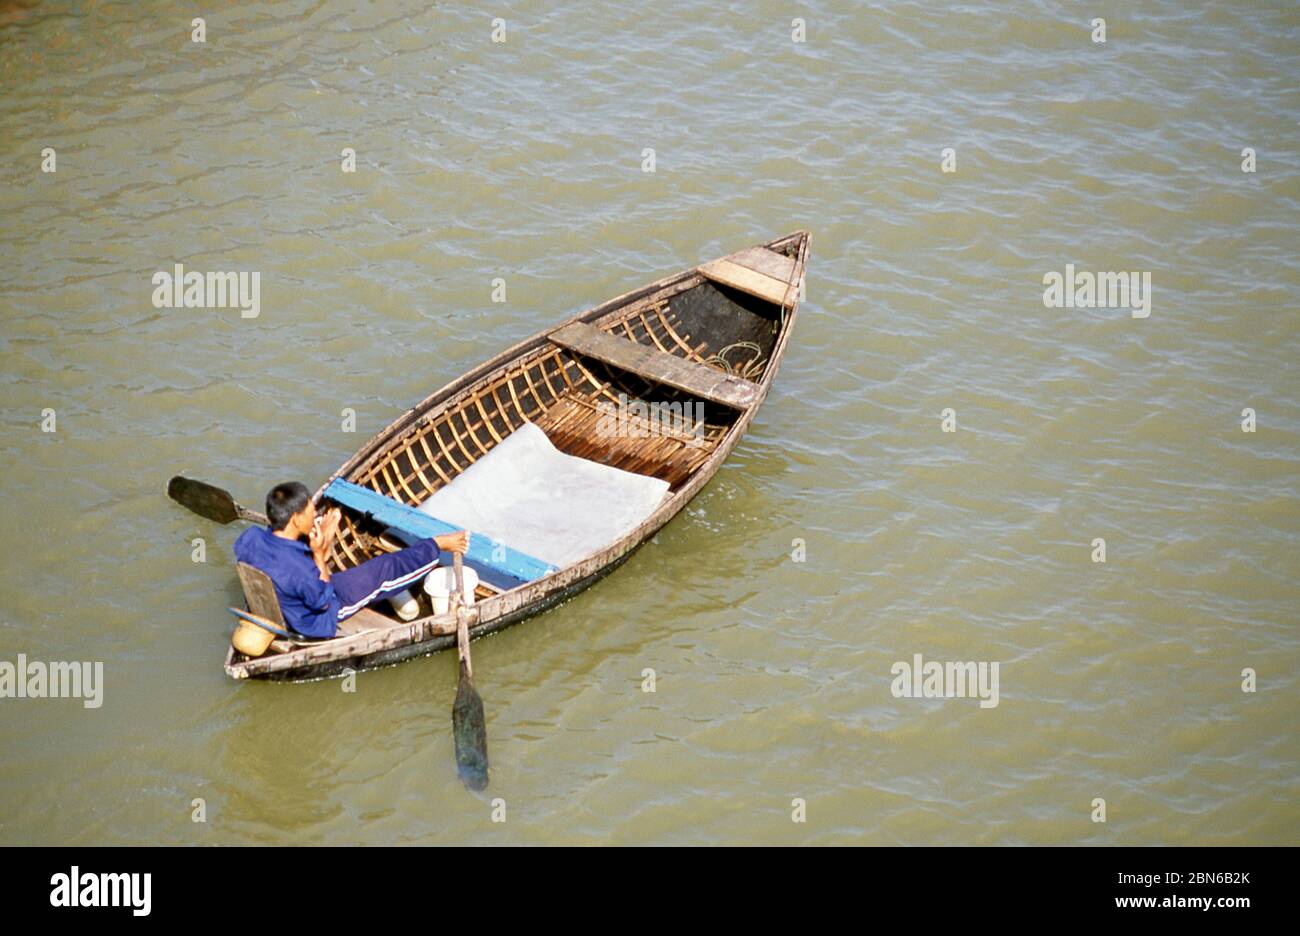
(439, 583)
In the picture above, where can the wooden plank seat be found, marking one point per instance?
(259, 595)
(702, 381)
(766, 261)
(757, 271)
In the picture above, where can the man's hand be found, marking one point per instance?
(322, 534)
(454, 542)
(320, 537)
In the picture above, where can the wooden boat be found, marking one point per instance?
(659, 343)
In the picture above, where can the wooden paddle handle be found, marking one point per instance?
(458, 565)
(462, 622)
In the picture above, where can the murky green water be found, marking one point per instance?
(522, 160)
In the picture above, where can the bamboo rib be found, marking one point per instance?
(653, 337)
(341, 543)
(470, 433)
(401, 477)
(510, 385)
(503, 410)
(672, 332)
(392, 488)
(428, 487)
(547, 380)
(602, 389)
(446, 452)
(478, 402)
(424, 443)
(460, 444)
(565, 364)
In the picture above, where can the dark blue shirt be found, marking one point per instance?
(308, 604)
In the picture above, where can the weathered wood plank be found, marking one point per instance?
(707, 383)
(260, 594)
(768, 262)
(360, 645)
(364, 620)
(748, 281)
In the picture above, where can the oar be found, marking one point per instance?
(210, 502)
(468, 724)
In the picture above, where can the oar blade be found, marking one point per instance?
(469, 728)
(204, 499)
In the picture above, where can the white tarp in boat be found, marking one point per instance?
(532, 497)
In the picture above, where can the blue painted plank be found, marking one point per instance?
(496, 564)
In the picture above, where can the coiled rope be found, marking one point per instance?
(747, 370)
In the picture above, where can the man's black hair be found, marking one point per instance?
(284, 501)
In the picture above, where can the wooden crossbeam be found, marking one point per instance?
(752, 281)
(707, 383)
(497, 564)
(765, 261)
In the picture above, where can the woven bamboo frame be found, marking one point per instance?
(560, 393)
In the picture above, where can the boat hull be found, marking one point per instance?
(431, 634)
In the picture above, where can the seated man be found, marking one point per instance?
(312, 601)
